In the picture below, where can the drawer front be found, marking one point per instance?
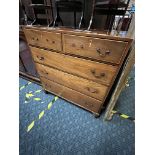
(49, 40)
(77, 98)
(95, 48)
(98, 72)
(52, 40)
(33, 37)
(84, 86)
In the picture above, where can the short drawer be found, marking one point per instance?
(51, 40)
(84, 86)
(95, 48)
(76, 97)
(98, 72)
(33, 37)
(48, 40)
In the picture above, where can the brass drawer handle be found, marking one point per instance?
(44, 72)
(107, 52)
(34, 39)
(40, 58)
(100, 75)
(81, 46)
(90, 105)
(92, 90)
(52, 41)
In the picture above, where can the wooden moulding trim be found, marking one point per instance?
(79, 33)
(29, 77)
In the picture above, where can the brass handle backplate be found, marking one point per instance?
(33, 38)
(40, 58)
(92, 90)
(97, 75)
(102, 53)
(44, 72)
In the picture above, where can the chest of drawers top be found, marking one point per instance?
(94, 46)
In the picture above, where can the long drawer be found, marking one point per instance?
(49, 40)
(84, 86)
(95, 48)
(98, 72)
(76, 97)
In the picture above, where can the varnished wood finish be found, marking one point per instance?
(33, 37)
(84, 86)
(95, 34)
(79, 66)
(76, 97)
(98, 72)
(49, 40)
(52, 40)
(121, 82)
(95, 48)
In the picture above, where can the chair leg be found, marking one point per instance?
(34, 22)
(54, 23)
(75, 19)
(57, 19)
(81, 20)
(112, 18)
(92, 15)
(90, 23)
(51, 23)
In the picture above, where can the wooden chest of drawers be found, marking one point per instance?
(78, 66)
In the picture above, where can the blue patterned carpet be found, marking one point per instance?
(66, 129)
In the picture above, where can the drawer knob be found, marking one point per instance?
(81, 46)
(53, 42)
(34, 39)
(103, 54)
(92, 90)
(47, 40)
(100, 75)
(40, 58)
(44, 72)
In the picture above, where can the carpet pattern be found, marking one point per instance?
(66, 129)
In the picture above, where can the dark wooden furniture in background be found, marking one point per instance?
(78, 66)
(69, 6)
(111, 8)
(26, 65)
(43, 12)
